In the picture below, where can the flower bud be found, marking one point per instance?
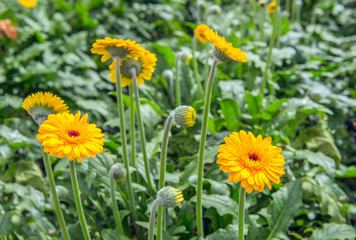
(186, 57)
(168, 75)
(118, 171)
(262, 3)
(214, 9)
(170, 197)
(62, 192)
(185, 116)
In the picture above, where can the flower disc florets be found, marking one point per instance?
(252, 161)
(185, 116)
(65, 134)
(170, 197)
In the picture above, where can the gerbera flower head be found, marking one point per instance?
(223, 50)
(271, 7)
(143, 65)
(65, 134)
(252, 161)
(170, 197)
(28, 3)
(39, 105)
(185, 116)
(115, 48)
(199, 33)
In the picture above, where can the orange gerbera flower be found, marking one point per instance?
(252, 161)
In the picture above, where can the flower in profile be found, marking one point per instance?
(271, 7)
(261, 3)
(170, 197)
(28, 3)
(185, 116)
(253, 161)
(39, 105)
(119, 48)
(144, 67)
(199, 33)
(186, 57)
(223, 50)
(65, 134)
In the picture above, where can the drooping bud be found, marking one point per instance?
(170, 197)
(62, 192)
(214, 9)
(186, 57)
(185, 116)
(118, 171)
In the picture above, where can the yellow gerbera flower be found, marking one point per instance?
(224, 51)
(65, 134)
(40, 105)
(144, 66)
(199, 33)
(253, 161)
(120, 48)
(28, 3)
(271, 7)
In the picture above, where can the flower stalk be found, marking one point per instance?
(209, 89)
(151, 230)
(132, 131)
(55, 199)
(177, 82)
(195, 68)
(78, 201)
(113, 200)
(241, 212)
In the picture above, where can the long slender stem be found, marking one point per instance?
(241, 212)
(151, 230)
(142, 132)
(113, 201)
(162, 172)
(271, 43)
(56, 202)
(262, 22)
(195, 68)
(177, 82)
(132, 132)
(78, 202)
(253, 3)
(208, 92)
(293, 10)
(124, 144)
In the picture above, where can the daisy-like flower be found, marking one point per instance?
(223, 50)
(271, 7)
(253, 161)
(120, 48)
(185, 116)
(199, 33)
(143, 65)
(40, 105)
(65, 134)
(170, 197)
(28, 3)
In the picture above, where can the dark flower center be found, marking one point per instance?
(253, 156)
(73, 134)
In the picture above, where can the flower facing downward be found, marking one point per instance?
(144, 67)
(271, 7)
(40, 105)
(223, 50)
(28, 3)
(170, 197)
(261, 3)
(253, 161)
(65, 134)
(199, 33)
(120, 48)
(118, 171)
(185, 116)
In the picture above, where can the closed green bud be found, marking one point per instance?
(170, 197)
(118, 171)
(214, 9)
(185, 116)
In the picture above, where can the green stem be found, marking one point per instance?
(262, 22)
(113, 201)
(132, 132)
(271, 43)
(142, 132)
(162, 172)
(124, 144)
(151, 230)
(209, 90)
(242, 25)
(177, 83)
(288, 8)
(195, 68)
(293, 11)
(241, 212)
(253, 3)
(78, 202)
(56, 202)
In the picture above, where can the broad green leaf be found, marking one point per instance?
(230, 233)
(222, 204)
(29, 173)
(230, 111)
(111, 234)
(166, 52)
(254, 103)
(327, 163)
(333, 231)
(272, 109)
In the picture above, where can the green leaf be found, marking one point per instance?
(166, 52)
(28, 173)
(230, 233)
(333, 231)
(327, 163)
(110, 234)
(254, 103)
(271, 110)
(222, 204)
(230, 111)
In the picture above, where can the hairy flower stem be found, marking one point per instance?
(241, 212)
(142, 132)
(56, 202)
(78, 202)
(262, 22)
(124, 145)
(162, 172)
(293, 10)
(177, 82)
(151, 230)
(195, 68)
(114, 203)
(132, 132)
(204, 128)
(254, 13)
(271, 43)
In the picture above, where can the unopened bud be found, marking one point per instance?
(185, 116)
(170, 197)
(118, 171)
